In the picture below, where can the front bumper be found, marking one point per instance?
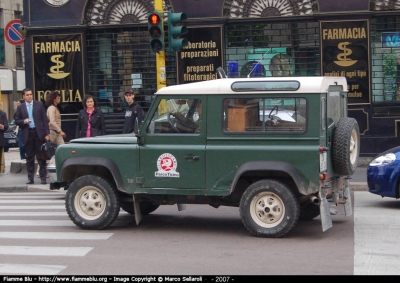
(382, 180)
(52, 173)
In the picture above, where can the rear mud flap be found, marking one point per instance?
(324, 208)
(136, 207)
(348, 206)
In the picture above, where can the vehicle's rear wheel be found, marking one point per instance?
(146, 207)
(346, 146)
(92, 202)
(269, 209)
(309, 210)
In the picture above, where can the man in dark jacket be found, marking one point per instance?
(3, 129)
(32, 119)
(134, 114)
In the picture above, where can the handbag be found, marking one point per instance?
(48, 150)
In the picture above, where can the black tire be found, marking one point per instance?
(6, 149)
(309, 210)
(146, 207)
(92, 202)
(346, 146)
(269, 209)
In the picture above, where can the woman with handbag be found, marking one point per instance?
(57, 135)
(90, 119)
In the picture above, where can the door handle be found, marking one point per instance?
(192, 157)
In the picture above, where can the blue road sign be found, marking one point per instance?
(12, 34)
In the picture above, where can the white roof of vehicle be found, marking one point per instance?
(307, 85)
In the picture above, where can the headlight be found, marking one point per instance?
(384, 159)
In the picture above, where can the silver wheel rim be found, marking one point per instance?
(267, 209)
(353, 147)
(90, 203)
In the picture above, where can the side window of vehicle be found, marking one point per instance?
(177, 116)
(269, 115)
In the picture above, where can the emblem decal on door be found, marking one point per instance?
(167, 165)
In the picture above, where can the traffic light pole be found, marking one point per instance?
(160, 55)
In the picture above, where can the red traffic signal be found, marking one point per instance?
(155, 29)
(154, 19)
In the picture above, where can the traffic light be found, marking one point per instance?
(175, 30)
(156, 34)
(2, 48)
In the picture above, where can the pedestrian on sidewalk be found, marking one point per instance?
(32, 119)
(134, 114)
(57, 135)
(21, 145)
(3, 129)
(90, 119)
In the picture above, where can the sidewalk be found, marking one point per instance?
(15, 175)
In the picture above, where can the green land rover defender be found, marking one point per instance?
(280, 149)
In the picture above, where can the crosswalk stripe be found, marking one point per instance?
(33, 197)
(56, 235)
(36, 223)
(55, 223)
(44, 251)
(33, 213)
(32, 269)
(54, 193)
(9, 207)
(41, 206)
(32, 201)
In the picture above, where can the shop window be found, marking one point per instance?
(275, 49)
(19, 56)
(117, 56)
(385, 58)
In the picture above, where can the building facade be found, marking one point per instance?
(12, 69)
(102, 47)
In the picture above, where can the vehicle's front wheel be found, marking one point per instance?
(92, 202)
(146, 207)
(269, 209)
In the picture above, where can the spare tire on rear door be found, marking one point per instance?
(346, 146)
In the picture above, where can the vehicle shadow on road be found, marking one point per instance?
(162, 222)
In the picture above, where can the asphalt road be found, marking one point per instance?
(360, 176)
(37, 237)
(200, 240)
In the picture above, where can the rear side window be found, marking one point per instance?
(268, 115)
